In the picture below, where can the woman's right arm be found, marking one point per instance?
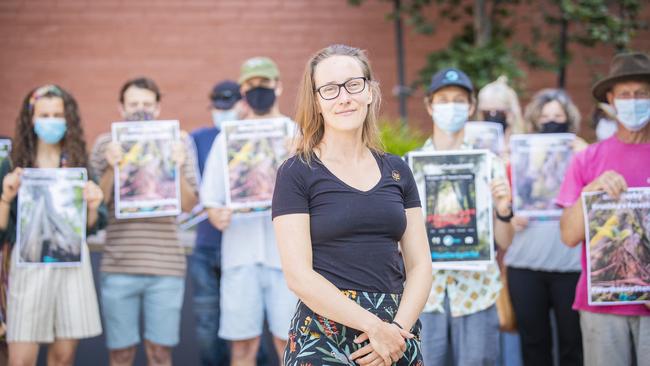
(292, 232)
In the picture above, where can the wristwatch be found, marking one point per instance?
(506, 218)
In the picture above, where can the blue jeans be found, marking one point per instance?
(205, 273)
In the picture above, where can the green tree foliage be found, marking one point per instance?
(485, 47)
(398, 138)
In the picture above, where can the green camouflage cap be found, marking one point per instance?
(262, 67)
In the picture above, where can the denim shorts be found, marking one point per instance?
(159, 297)
(250, 292)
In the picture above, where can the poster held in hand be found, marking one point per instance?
(457, 205)
(485, 135)
(51, 227)
(617, 236)
(254, 150)
(5, 149)
(147, 180)
(539, 163)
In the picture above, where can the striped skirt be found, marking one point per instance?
(49, 303)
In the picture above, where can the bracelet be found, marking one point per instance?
(398, 325)
(506, 218)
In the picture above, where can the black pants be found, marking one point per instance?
(534, 294)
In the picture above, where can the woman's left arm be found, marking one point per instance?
(419, 273)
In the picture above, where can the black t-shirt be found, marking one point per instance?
(354, 234)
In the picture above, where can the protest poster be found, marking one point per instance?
(254, 150)
(539, 162)
(147, 180)
(51, 227)
(5, 149)
(617, 235)
(485, 135)
(457, 203)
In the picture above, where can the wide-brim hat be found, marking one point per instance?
(624, 67)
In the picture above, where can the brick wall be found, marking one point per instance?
(91, 47)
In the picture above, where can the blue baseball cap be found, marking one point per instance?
(448, 77)
(225, 94)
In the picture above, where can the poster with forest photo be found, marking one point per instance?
(51, 227)
(485, 135)
(457, 203)
(147, 178)
(5, 149)
(254, 150)
(539, 162)
(618, 247)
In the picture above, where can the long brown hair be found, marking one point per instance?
(309, 119)
(73, 144)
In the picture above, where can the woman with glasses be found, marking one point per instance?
(542, 271)
(341, 206)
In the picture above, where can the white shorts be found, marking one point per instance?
(49, 303)
(247, 294)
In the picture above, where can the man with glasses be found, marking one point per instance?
(619, 334)
(252, 282)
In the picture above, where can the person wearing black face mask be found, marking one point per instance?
(542, 271)
(249, 254)
(496, 116)
(260, 86)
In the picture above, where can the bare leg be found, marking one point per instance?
(23, 353)
(122, 356)
(62, 352)
(244, 353)
(158, 355)
(280, 345)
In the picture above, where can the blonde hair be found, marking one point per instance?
(545, 96)
(309, 119)
(500, 90)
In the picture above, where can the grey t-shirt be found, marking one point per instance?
(539, 247)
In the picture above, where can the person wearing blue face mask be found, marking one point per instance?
(48, 304)
(252, 282)
(612, 334)
(205, 262)
(460, 322)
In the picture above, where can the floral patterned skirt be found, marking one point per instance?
(318, 341)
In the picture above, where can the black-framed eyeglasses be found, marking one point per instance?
(352, 86)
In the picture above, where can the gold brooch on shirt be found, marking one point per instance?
(395, 175)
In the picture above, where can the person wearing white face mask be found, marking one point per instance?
(620, 334)
(460, 315)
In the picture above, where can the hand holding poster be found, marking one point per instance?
(254, 150)
(5, 149)
(618, 247)
(458, 206)
(147, 180)
(485, 135)
(51, 224)
(539, 162)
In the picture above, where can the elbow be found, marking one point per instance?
(188, 203)
(297, 281)
(567, 235)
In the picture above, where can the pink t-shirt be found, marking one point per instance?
(632, 161)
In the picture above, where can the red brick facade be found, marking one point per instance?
(91, 47)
